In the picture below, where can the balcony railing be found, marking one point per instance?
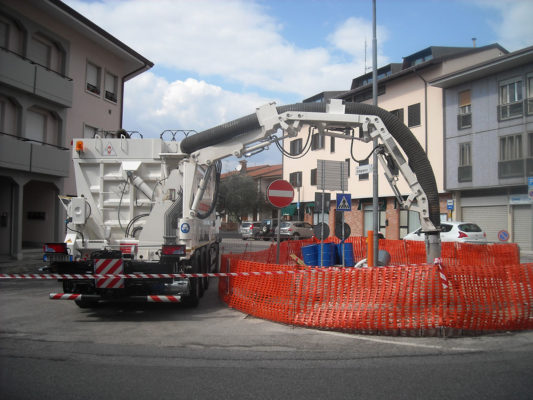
(24, 74)
(510, 110)
(511, 168)
(464, 173)
(464, 121)
(33, 156)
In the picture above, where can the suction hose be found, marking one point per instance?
(416, 155)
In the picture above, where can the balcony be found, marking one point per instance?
(464, 173)
(511, 168)
(31, 156)
(510, 110)
(464, 121)
(22, 73)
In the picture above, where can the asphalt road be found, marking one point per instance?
(53, 350)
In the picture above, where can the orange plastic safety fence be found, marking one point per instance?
(404, 299)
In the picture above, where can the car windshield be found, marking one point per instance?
(469, 228)
(285, 224)
(246, 224)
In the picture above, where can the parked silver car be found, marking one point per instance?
(295, 230)
(250, 229)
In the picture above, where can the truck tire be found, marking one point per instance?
(205, 266)
(197, 269)
(193, 299)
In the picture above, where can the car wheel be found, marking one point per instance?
(296, 236)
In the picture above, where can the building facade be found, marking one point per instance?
(404, 90)
(61, 77)
(488, 120)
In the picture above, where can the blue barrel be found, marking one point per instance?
(328, 258)
(348, 254)
(309, 254)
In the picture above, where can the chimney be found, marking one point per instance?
(474, 42)
(242, 167)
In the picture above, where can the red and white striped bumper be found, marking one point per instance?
(109, 266)
(144, 299)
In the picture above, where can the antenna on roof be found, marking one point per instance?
(474, 41)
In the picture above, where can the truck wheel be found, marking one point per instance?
(205, 266)
(197, 269)
(193, 299)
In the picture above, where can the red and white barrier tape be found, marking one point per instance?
(443, 279)
(150, 276)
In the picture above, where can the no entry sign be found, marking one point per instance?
(280, 193)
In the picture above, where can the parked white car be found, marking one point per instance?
(454, 231)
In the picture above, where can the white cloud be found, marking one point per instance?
(232, 39)
(153, 104)
(514, 29)
(351, 35)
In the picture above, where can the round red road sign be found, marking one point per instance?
(280, 193)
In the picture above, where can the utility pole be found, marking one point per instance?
(375, 195)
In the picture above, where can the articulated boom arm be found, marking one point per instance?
(274, 126)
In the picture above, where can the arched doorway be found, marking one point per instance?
(39, 213)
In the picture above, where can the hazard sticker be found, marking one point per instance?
(109, 150)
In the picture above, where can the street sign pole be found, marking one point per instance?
(280, 194)
(279, 235)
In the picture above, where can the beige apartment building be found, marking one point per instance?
(61, 77)
(403, 90)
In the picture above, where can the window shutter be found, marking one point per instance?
(464, 98)
(110, 83)
(413, 115)
(92, 75)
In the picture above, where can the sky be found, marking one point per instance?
(218, 60)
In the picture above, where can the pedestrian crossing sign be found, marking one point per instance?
(344, 202)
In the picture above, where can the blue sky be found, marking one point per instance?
(217, 60)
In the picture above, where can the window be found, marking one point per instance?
(529, 93)
(398, 113)
(332, 144)
(89, 131)
(363, 177)
(464, 116)
(313, 177)
(510, 99)
(110, 86)
(413, 115)
(511, 163)
(35, 126)
(295, 179)
(317, 141)
(409, 222)
(41, 51)
(465, 162)
(93, 78)
(296, 147)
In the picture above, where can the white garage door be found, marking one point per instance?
(491, 219)
(522, 226)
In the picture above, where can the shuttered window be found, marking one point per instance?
(413, 115)
(93, 78)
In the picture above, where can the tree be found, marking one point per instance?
(238, 196)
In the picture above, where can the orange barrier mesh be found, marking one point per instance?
(495, 293)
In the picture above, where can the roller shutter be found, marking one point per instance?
(522, 226)
(491, 219)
